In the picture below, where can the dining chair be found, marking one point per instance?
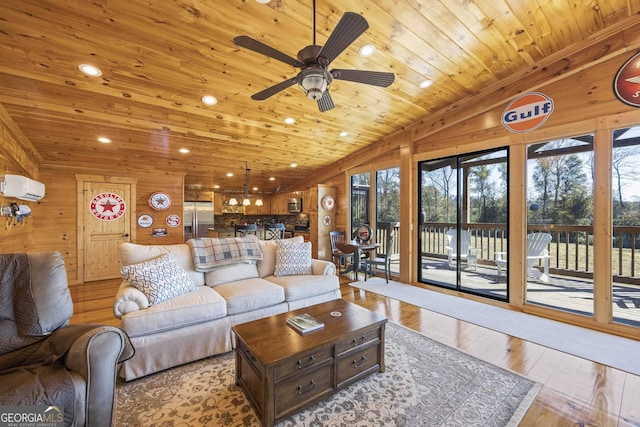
(381, 261)
(341, 254)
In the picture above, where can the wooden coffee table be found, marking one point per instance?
(283, 371)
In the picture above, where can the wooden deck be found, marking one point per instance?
(560, 292)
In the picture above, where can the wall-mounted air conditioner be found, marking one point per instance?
(22, 188)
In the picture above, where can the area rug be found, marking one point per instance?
(425, 384)
(610, 350)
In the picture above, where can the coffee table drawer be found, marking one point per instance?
(304, 362)
(354, 364)
(359, 340)
(303, 388)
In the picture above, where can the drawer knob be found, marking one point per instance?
(363, 361)
(311, 386)
(312, 360)
(357, 341)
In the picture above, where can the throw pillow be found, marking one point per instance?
(267, 265)
(159, 279)
(292, 258)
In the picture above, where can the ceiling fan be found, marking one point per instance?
(315, 77)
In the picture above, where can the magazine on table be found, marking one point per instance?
(304, 323)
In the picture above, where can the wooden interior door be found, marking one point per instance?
(106, 214)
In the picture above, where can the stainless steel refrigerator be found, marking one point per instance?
(198, 218)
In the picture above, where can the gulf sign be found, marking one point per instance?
(527, 112)
(626, 84)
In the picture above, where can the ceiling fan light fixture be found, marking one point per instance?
(233, 201)
(259, 202)
(246, 202)
(313, 83)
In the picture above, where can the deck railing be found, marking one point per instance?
(571, 247)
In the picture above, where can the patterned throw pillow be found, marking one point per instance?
(159, 279)
(292, 258)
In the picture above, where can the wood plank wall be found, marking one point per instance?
(14, 236)
(55, 216)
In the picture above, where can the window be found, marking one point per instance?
(625, 170)
(559, 264)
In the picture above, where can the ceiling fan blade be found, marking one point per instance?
(349, 28)
(256, 46)
(326, 102)
(376, 78)
(261, 96)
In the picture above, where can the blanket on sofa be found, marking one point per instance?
(209, 253)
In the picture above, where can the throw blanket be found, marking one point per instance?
(31, 368)
(209, 253)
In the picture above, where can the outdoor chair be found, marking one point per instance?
(536, 251)
(468, 254)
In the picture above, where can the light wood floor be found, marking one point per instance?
(576, 392)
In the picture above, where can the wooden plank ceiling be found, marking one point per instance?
(159, 57)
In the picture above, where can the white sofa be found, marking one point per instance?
(198, 324)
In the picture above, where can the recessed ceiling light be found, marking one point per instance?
(272, 178)
(294, 165)
(216, 186)
(255, 188)
(367, 50)
(90, 70)
(344, 133)
(184, 150)
(289, 120)
(104, 140)
(229, 173)
(263, 1)
(426, 83)
(209, 100)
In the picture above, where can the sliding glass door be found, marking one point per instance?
(463, 222)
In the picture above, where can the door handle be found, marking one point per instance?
(125, 235)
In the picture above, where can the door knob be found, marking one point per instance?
(125, 235)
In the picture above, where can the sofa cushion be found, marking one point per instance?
(159, 279)
(231, 273)
(292, 258)
(131, 253)
(267, 265)
(202, 305)
(305, 286)
(250, 294)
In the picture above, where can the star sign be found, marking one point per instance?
(107, 206)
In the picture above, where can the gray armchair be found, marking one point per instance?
(46, 362)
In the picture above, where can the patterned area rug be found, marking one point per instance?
(425, 384)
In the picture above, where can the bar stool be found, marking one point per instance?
(274, 231)
(243, 230)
